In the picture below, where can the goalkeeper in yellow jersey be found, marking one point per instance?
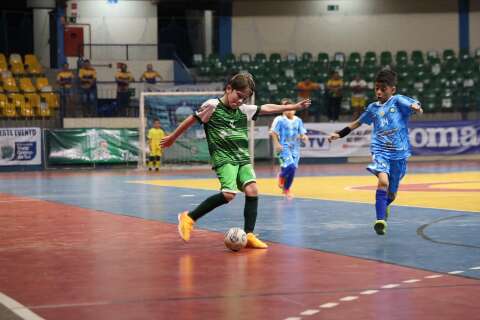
(154, 137)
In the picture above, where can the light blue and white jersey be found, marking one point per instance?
(289, 132)
(390, 126)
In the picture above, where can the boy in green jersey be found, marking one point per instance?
(225, 123)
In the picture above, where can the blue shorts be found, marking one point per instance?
(396, 170)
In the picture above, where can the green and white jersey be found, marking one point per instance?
(226, 130)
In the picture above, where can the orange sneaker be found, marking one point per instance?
(254, 242)
(281, 181)
(185, 225)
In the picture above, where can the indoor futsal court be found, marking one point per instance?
(104, 245)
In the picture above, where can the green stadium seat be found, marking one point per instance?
(275, 58)
(306, 56)
(354, 58)
(448, 54)
(401, 57)
(386, 58)
(260, 57)
(417, 57)
(323, 58)
(370, 58)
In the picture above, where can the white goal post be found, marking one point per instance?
(146, 110)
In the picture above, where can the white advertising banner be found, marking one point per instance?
(20, 146)
(356, 143)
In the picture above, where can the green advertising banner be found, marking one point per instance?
(89, 146)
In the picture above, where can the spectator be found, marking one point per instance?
(88, 88)
(334, 96)
(65, 84)
(123, 79)
(150, 78)
(306, 90)
(359, 99)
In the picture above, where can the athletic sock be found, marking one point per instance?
(207, 205)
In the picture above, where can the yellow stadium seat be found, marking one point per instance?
(40, 108)
(32, 65)
(43, 85)
(21, 107)
(51, 99)
(26, 85)
(10, 85)
(16, 64)
(3, 63)
(9, 110)
(3, 104)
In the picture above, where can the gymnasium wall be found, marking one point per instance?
(124, 22)
(297, 26)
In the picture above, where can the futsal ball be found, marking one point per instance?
(235, 239)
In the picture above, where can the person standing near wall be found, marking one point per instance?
(88, 88)
(150, 77)
(359, 99)
(334, 96)
(123, 79)
(306, 89)
(65, 84)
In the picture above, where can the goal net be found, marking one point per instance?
(171, 108)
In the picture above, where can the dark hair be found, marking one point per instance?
(156, 119)
(286, 101)
(242, 81)
(387, 77)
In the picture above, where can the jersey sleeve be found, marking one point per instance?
(277, 125)
(366, 117)
(251, 111)
(149, 134)
(204, 113)
(301, 127)
(274, 123)
(404, 103)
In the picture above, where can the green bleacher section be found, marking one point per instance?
(442, 81)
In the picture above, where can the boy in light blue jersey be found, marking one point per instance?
(287, 131)
(390, 146)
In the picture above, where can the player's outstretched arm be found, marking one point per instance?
(279, 108)
(417, 108)
(170, 139)
(345, 131)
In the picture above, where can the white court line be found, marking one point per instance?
(456, 272)
(411, 281)
(293, 318)
(309, 312)
(187, 195)
(329, 305)
(369, 292)
(433, 276)
(18, 309)
(475, 268)
(349, 298)
(390, 286)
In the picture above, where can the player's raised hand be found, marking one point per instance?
(167, 141)
(303, 104)
(333, 136)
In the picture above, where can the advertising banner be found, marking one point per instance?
(20, 146)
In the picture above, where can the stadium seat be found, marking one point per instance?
(291, 57)
(339, 57)
(306, 56)
(16, 64)
(260, 58)
(10, 85)
(7, 107)
(417, 57)
(448, 54)
(3, 63)
(323, 59)
(26, 85)
(32, 65)
(386, 58)
(370, 58)
(401, 57)
(354, 58)
(43, 85)
(275, 58)
(245, 57)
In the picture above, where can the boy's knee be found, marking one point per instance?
(251, 190)
(228, 196)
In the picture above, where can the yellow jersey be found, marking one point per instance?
(154, 137)
(151, 76)
(87, 77)
(123, 80)
(65, 79)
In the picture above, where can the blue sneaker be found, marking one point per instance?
(380, 227)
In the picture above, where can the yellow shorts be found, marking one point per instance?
(155, 151)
